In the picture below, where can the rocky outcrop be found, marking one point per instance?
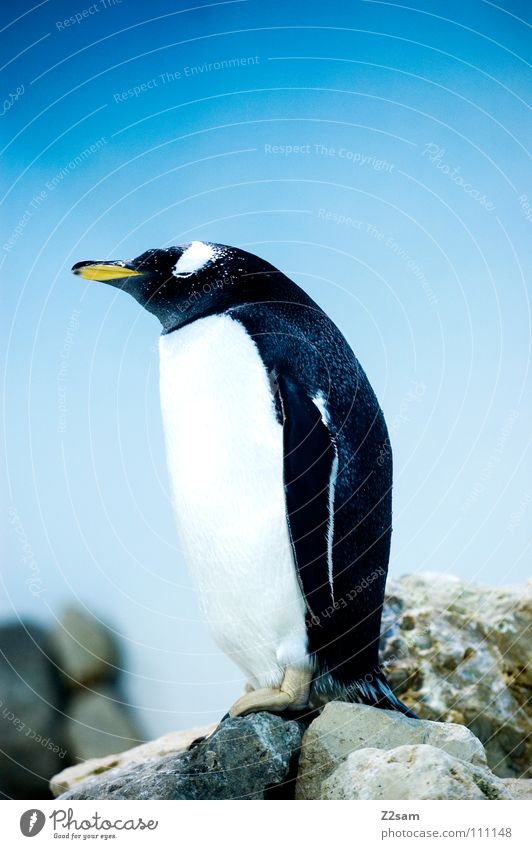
(32, 735)
(411, 772)
(348, 752)
(460, 652)
(97, 720)
(519, 788)
(98, 723)
(60, 701)
(86, 650)
(168, 744)
(359, 752)
(251, 757)
(455, 652)
(342, 729)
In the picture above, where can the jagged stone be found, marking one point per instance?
(343, 728)
(172, 743)
(459, 652)
(411, 772)
(249, 757)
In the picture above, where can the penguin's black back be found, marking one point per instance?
(296, 339)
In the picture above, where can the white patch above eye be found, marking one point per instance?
(193, 259)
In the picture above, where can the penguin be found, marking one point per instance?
(280, 471)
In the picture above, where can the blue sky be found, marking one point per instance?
(376, 153)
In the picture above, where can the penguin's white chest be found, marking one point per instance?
(225, 459)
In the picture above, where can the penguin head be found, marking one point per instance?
(181, 283)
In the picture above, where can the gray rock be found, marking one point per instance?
(86, 650)
(171, 743)
(455, 652)
(249, 757)
(458, 652)
(343, 728)
(32, 742)
(411, 772)
(98, 724)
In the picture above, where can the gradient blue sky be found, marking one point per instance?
(403, 212)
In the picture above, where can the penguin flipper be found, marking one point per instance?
(310, 463)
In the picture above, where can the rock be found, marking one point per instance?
(98, 724)
(86, 650)
(458, 652)
(250, 757)
(520, 788)
(455, 652)
(176, 741)
(343, 728)
(348, 752)
(32, 742)
(411, 772)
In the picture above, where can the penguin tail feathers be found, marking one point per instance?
(374, 690)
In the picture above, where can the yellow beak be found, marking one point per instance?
(104, 271)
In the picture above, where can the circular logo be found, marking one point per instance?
(32, 822)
